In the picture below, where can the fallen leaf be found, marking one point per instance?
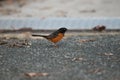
(3, 42)
(99, 28)
(96, 71)
(108, 54)
(33, 74)
(87, 40)
(78, 59)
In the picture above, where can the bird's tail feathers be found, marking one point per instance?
(37, 35)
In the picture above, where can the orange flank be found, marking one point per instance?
(58, 38)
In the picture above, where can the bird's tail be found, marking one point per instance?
(37, 35)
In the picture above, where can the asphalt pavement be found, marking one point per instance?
(79, 57)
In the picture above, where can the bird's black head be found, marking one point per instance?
(62, 30)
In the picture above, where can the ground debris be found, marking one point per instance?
(78, 59)
(13, 42)
(108, 54)
(86, 40)
(33, 74)
(3, 42)
(19, 43)
(99, 28)
(96, 71)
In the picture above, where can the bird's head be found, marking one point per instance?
(62, 30)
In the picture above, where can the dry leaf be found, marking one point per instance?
(97, 70)
(2, 42)
(99, 28)
(78, 59)
(33, 74)
(109, 54)
(87, 40)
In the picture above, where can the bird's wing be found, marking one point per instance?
(53, 35)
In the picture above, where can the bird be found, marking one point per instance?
(55, 36)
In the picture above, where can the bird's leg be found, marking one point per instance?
(55, 45)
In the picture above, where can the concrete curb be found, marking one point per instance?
(55, 23)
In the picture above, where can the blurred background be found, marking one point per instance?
(53, 14)
(59, 8)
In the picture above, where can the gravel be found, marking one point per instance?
(76, 58)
